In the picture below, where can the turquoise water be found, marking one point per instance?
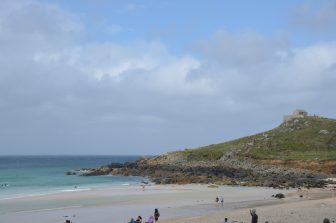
(31, 175)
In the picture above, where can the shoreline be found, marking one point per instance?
(176, 203)
(28, 192)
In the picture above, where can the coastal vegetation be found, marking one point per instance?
(308, 138)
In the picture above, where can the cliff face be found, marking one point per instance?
(300, 152)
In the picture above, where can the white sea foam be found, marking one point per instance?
(76, 189)
(17, 196)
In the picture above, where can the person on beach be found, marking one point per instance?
(150, 219)
(132, 220)
(326, 220)
(139, 219)
(225, 220)
(217, 199)
(156, 214)
(254, 216)
(222, 200)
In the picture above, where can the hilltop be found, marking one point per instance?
(301, 151)
(307, 140)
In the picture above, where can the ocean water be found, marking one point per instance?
(33, 175)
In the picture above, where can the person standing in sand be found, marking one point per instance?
(156, 214)
(254, 216)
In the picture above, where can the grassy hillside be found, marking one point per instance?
(310, 138)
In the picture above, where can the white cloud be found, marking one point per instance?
(251, 72)
(59, 91)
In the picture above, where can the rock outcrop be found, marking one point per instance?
(218, 173)
(300, 152)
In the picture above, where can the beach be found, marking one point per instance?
(176, 203)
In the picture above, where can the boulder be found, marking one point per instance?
(279, 195)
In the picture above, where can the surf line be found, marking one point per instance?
(48, 209)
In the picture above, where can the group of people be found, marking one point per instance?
(150, 219)
(253, 215)
(220, 200)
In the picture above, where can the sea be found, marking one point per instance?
(22, 176)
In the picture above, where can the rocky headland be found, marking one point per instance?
(301, 152)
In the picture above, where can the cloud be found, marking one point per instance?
(316, 16)
(241, 48)
(61, 94)
(249, 67)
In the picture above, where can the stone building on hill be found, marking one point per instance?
(297, 113)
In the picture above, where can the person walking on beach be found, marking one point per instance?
(156, 214)
(254, 216)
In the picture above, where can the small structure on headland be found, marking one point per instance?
(297, 113)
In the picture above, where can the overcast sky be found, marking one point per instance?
(147, 77)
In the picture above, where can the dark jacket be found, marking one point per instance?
(254, 218)
(156, 215)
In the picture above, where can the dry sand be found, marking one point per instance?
(176, 203)
(313, 207)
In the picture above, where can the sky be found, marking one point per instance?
(112, 77)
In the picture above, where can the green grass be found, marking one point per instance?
(299, 139)
(211, 152)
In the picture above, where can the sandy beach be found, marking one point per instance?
(176, 203)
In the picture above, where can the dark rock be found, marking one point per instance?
(116, 165)
(241, 173)
(279, 195)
